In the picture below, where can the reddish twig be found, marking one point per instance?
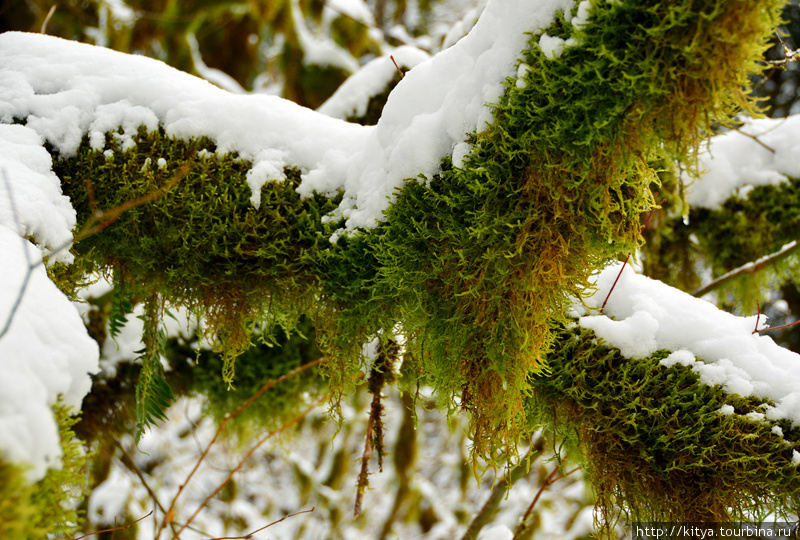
(646, 221)
(551, 479)
(102, 219)
(241, 463)
(170, 513)
(122, 528)
(758, 316)
(402, 75)
(250, 535)
(777, 327)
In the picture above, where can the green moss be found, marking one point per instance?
(742, 230)
(477, 263)
(202, 244)
(484, 257)
(47, 508)
(654, 443)
(276, 354)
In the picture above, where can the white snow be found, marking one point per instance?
(357, 10)
(762, 152)
(66, 89)
(352, 97)
(498, 532)
(643, 316)
(28, 183)
(46, 353)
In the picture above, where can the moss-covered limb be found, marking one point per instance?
(742, 230)
(202, 244)
(655, 443)
(485, 256)
(478, 262)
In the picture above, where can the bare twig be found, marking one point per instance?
(788, 55)
(755, 138)
(646, 221)
(402, 75)
(552, 478)
(43, 29)
(131, 465)
(777, 327)
(101, 220)
(95, 224)
(122, 528)
(758, 316)
(749, 268)
(250, 535)
(489, 508)
(241, 463)
(171, 511)
(31, 265)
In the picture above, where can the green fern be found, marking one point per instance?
(153, 393)
(122, 301)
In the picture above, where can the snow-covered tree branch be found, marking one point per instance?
(469, 224)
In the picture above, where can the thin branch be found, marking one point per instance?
(241, 463)
(755, 138)
(489, 508)
(43, 29)
(777, 327)
(363, 476)
(31, 266)
(95, 224)
(646, 221)
(122, 528)
(550, 480)
(131, 465)
(749, 268)
(250, 535)
(101, 220)
(758, 316)
(789, 55)
(221, 427)
(402, 75)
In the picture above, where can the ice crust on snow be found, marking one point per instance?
(66, 89)
(643, 316)
(46, 353)
(762, 152)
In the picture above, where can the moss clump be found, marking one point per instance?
(201, 244)
(43, 509)
(276, 354)
(485, 256)
(654, 441)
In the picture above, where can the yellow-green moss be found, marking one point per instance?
(477, 263)
(742, 230)
(654, 442)
(47, 508)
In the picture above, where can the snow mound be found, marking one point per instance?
(66, 89)
(29, 186)
(761, 152)
(643, 316)
(45, 353)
